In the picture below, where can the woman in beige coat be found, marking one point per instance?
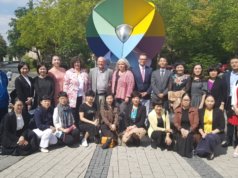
(159, 130)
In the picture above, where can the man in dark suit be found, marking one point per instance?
(142, 75)
(229, 80)
(159, 82)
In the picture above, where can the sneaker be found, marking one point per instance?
(84, 143)
(44, 150)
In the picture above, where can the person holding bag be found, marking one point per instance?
(109, 122)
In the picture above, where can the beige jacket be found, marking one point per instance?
(153, 119)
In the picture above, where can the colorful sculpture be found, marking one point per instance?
(124, 29)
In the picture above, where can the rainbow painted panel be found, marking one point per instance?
(124, 29)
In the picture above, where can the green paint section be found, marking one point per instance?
(102, 26)
(112, 11)
(91, 30)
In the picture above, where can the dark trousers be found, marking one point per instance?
(207, 145)
(107, 132)
(159, 138)
(76, 110)
(23, 150)
(90, 128)
(70, 138)
(3, 111)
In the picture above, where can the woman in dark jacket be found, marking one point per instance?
(24, 86)
(211, 127)
(16, 138)
(216, 87)
(43, 84)
(45, 130)
(135, 115)
(109, 120)
(186, 123)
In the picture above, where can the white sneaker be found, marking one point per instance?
(84, 142)
(44, 150)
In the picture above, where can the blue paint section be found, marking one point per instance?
(130, 44)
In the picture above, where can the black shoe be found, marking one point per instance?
(225, 144)
(96, 140)
(211, 156)
(153, 144)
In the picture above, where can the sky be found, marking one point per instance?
(7, 8)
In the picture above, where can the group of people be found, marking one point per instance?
(179, 111)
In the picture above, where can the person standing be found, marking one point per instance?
(123, 82)
(43, 84)
(9, 75)
(198, 87)
(24, 86)
(4, 98)
(159, 83)
(100, 80)
(57, 73)
(229, 80)
(75, 85)
(215, 87)
(142, 76)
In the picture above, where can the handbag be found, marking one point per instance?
(104, 140)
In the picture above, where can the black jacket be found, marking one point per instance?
(23, 89)
(218, 92)
(140, 117)
(10, 135)
(218, 121)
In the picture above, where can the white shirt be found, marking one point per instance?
(81, 85)
(20, 121)
(27, 79)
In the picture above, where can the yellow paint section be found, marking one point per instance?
(135, 11)
(144, 24)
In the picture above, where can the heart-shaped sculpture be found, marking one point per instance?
(125, 28)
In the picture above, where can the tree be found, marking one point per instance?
(57, 27)
(3, 48)
(16, 50)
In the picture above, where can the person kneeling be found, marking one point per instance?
(159, 130)
(44, 124)
(64, 121)
(211, 127)
(89, 121)
(109, 115)
(135, 115)
(17, 140)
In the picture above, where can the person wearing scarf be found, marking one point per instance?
(64, 122)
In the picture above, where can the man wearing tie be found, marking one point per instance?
(142, 75)
(159, 82)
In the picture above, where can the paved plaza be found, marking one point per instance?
(119, 162)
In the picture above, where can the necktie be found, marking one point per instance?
(143, 73)
(162, 73)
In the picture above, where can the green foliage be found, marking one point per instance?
(16, 50)
(196, 30)
(30, 61)
(3, 48)
(205, 60)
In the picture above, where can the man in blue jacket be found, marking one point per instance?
(4, 98)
